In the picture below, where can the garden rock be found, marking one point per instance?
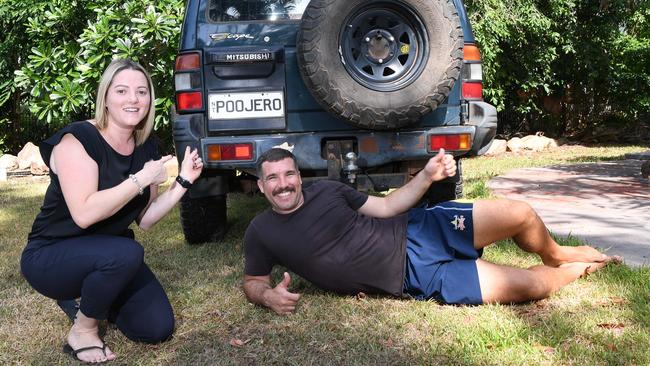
(514, 144)
(8, 162)
(38, 168)
(498, 147)
(537, 142)
(28, 155)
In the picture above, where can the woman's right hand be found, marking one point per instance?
(154, 171)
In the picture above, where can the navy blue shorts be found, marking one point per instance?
(440, 254)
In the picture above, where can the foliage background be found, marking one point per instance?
(567, 67)
(54, 51)
(576, 68)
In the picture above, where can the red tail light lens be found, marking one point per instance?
(189, 100)
(450, 142)
(188, 61)
(472, 90)
(230, 152)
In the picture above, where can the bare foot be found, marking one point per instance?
(568, 254)
(85, 333)
(586, 268)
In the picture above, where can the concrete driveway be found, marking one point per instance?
(605, 204)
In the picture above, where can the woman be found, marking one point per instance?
(105, 175)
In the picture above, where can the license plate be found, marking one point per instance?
(246, 105)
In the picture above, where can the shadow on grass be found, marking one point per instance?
(217, 326)
(19, 204)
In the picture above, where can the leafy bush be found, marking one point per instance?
(577, 67)
(65, 46)
(565, 66)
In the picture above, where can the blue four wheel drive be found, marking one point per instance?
(361, 91)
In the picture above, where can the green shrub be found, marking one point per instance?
(63, 47)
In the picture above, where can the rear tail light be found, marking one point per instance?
(188, 61)
(471, 52)
(472, 90)
(218, 152)
(189, 100)
(450, 142)
(472, 73)
(188, 83)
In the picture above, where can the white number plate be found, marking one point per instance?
(246, 105)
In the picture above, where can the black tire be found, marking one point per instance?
(203, 219)
(340, 50)
(448, 189)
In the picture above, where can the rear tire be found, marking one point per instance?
(380, 64)
(203, 219)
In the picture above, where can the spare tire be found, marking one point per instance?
(380, 64)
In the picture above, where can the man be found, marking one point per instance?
(347, 242)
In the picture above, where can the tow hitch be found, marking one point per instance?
(342, 161)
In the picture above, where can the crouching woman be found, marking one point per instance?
(104, 175)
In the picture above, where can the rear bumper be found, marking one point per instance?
(483, 117)
(374, 148)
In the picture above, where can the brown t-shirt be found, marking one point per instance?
(327, 242)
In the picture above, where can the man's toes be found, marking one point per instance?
(593, 267)
(615, 259)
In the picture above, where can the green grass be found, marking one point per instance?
(603, 319)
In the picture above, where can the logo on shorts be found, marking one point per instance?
(459, 222)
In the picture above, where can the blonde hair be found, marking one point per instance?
(143, 130)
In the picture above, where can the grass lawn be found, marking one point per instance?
(603, 319)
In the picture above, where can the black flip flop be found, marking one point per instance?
(67, 349)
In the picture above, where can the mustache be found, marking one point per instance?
(283, 189)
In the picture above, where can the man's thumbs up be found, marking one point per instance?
(440, 166)
(281, 300)
(285, 281)
(440, 155)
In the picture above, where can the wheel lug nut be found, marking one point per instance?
(381, 60)
(367, 39)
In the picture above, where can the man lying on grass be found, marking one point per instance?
(347, 242)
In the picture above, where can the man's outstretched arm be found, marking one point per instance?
(437, 168)
(258, 290)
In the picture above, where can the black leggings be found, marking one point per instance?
(109, 275)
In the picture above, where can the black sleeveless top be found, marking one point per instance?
(54, 222)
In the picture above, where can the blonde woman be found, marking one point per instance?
(105, 174)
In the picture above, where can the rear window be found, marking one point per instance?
(246, 10)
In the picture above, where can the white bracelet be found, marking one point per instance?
(135, 180)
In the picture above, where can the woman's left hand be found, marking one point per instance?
(159, 206)
(192, 165)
